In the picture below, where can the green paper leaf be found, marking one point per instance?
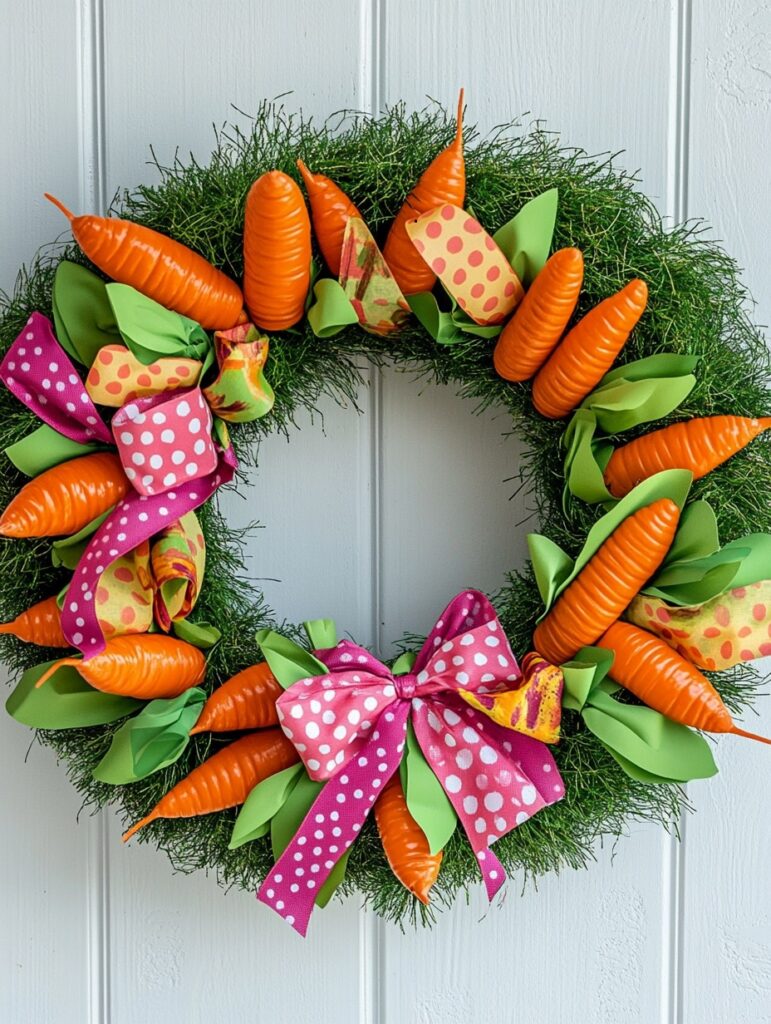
(67, 551)
(526, 239)
(694, 581)
(287, 821)
(585, 460)
(322, 633)
(332, 311)
(623, 404)
(200, 634)
(437, 322)
(648, 740)
(448, 327)
(583, 674)
(551, 565)
(404, 663)
(151, 740)
(151, 331)
(83, 317)
(44, 448)
(263, 802)
(636, 393)
(697, 535)
(288, 661)
(65, 701)
(427, 802)
(671, 483)
(663, 364)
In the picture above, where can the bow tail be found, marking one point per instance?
(334, 821)
(495, 779)
(135, 519)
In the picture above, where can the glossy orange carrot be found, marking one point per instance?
(331, 209)
(246, 701)
(613, 575)
(404, 842)
(65, 498)
(539, 321)
(663, 679)
(40, 624)
(588, 351)
(699, 445)
(277, 252)
(443, 181)
(141, 665)
(225, 779)
(164, 270)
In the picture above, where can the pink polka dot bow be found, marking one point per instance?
(349, 727)
(165, 446)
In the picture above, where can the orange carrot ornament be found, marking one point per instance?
(65, 498)
(537, 325)
(588, 351)
(331, 209)
(141, 665)
(40, 624)
(666, 682)
(246, 701)
(159, 267)
(699, 445)
(225, 779)
(608, 582)
(277, 252)
(443, 181)
(404, 843)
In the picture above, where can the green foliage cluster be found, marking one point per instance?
(697, 305)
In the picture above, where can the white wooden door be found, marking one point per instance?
(655, 931)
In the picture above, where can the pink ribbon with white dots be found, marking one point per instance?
(349, 728)
(180, 466)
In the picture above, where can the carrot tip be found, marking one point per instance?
(59, 205)
(459, 120)
(55, 668)
(749, 735)
(152, 816)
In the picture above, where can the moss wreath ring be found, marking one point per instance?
(146, 361)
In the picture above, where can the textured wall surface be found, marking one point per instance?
(655, 931)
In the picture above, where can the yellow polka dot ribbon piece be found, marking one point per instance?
(731, 628)
(468, 262)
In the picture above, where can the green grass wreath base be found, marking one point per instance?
(697, 305)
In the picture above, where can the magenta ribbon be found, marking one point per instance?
(39, 373)
(349, 727)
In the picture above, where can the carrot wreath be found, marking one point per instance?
(40, 624)
(404, 843)
(277, 252)
(65, 498)
(699, 445)
(588, 351)
(608, 582)
(246, 701)
(141, 665)
(225, 779)
(331, 209)
(156, 265)
(443, 181)
(540, 319)
(663, 679)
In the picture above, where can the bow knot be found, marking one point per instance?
(406, 685)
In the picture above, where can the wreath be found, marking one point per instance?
(143, 365)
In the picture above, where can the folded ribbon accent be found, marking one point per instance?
(349, 727)
(40, 374)
(164, 441)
